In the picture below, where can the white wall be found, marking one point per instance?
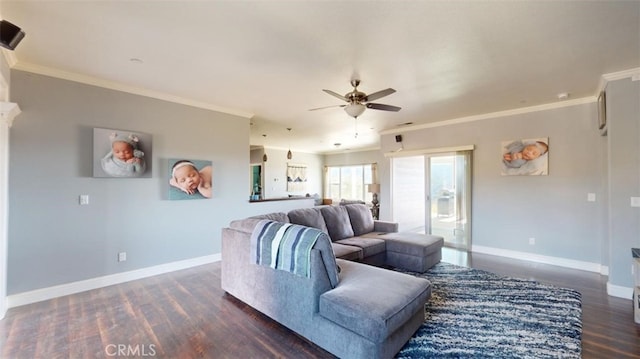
(5, 123)
(365, 157)
(275, 173)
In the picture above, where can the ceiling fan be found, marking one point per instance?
(358, 101)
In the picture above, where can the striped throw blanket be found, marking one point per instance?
(284, 246)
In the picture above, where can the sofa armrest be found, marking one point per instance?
(384, 226)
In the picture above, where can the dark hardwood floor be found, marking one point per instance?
(185, 314)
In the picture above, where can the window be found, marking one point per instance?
(349, 182)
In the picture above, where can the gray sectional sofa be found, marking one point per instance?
(349, 308)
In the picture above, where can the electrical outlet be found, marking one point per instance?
(532, 241)
(84, 199)
(635, 201)
(122, 256)
(591, 197)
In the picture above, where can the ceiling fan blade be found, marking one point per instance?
(379, 94)
(336, 95)
(379, 106)
(322, 108)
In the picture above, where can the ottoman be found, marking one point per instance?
(415, 252)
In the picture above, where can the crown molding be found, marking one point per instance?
(634, 74)
(426, 151)
(8, 112)
(350, 151)
(486, 116)
(112, 85)
(604, 79)
(621, 74)
(10, 57)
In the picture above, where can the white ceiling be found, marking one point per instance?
(270, 60)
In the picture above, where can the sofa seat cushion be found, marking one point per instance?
(370, 246)
(310, 217)
(338, 223)
(372, 301)
(415, 244)
(344, 251)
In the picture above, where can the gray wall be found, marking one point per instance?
(53, 240)
(623, 114)
(508, 210)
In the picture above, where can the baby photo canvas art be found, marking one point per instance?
(190, 179)
(121, 153)
(526, 157)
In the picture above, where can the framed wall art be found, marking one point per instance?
(525, 157)
(296, 178)
(190, 179)
(121, 153)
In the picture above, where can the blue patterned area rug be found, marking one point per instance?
(477, 314)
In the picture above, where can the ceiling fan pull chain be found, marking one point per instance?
(356, 127)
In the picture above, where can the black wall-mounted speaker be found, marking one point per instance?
(398, 138)
(10, 35)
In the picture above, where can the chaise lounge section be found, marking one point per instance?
(355, 235)
(351, 309)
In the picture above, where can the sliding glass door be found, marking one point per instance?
(449, 200)
(408, 193)
(431, 193)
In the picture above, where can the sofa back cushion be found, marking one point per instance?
(247, 225)
(310, 217)
(338, 223)
(288, 247)
(275, 216)
(361, 218)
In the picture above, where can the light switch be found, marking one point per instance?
(591, 197)
(84, 199)
(635, 201)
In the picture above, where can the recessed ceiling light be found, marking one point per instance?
(136, 60)
(563, 96)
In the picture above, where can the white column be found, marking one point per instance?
(8, 111)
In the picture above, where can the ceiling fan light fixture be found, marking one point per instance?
(355, 109)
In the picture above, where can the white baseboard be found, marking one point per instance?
(3, 307)
(562, 262)
(612, 290)
(619, 291)
(38, 295)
